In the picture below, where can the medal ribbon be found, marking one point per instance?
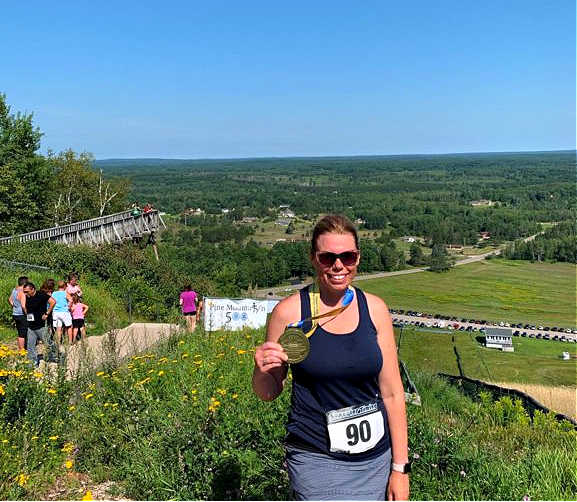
(315, 301)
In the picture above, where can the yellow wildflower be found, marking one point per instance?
(34, 437)
(71, 408)
(142, 382)
(4, 441)
(87, 495)
(181, 342)
(2, 391)
(160, 373)
(100, 373)
(68, 447)
(222, 392)
(185, 355)
(51, 391)
(234, 396)
(193, 391)
(240, 352)
(53, 438)
(88, 396)
(22, 479)
(68, 464)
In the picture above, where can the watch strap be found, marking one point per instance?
(404, 468)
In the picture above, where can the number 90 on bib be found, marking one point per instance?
(355, 429)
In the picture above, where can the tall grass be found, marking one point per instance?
(182, 422)
(561, 399)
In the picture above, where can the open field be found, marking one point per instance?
(533, 362)
(514, 291)
(561, 399)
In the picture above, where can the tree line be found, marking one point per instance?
(39, 191)
(558, 243)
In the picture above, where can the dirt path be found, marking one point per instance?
(115, 345)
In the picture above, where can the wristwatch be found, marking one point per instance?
(403, 468)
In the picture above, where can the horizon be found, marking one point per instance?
(440, 154)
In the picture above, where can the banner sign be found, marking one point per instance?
(231, 314)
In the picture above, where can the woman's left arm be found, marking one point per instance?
(393, 396)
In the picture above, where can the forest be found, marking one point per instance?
(445, 198)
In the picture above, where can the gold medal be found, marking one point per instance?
(296, 345)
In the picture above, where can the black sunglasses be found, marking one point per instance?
(327, 259)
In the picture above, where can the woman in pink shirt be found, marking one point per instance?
(72, 287)
(188, 301)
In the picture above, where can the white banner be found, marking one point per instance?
(229, 314)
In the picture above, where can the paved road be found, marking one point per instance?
(363, 277)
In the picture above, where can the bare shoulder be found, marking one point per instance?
(376, 303)
(378, 311)
(288, 309)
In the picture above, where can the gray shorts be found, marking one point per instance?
(316, 476)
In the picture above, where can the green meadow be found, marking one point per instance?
(495, 290)
(534, 361)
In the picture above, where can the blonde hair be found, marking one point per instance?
(333, 224)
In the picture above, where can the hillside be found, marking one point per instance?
(181, 422)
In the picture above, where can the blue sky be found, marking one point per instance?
(251, 79)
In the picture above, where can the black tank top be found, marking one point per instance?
(340, 371)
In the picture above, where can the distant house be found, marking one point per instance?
(287, 213)
(360, 221)
(499, 338)
(225, 211)
(482, 202)
(283, 222)
(408, 238)
(484, 235)
(249, 219)
(195, 212)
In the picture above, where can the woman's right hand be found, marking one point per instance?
(270, 355)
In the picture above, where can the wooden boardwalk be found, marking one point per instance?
(106, 229)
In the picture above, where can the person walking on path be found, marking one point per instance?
(78, 310)
(38, 307)
(17, 300)
(72, 285)
(188, 303)
(62, 320)
(347, 427)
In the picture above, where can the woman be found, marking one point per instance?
(347, 420)
(188, 301)
(48, 287)
(72, 286)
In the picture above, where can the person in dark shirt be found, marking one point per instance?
(38, 307)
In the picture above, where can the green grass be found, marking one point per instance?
(514, 291)
(182, 423)
(534, 361)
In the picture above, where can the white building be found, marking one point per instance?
(499, 338)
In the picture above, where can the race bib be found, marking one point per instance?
(355, 429)
(30, 317)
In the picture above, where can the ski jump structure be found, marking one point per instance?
(105, 229)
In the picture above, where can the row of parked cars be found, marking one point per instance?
(544, 336)
(453, 323)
